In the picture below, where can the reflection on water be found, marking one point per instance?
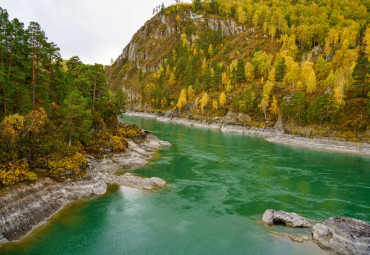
(219, 186)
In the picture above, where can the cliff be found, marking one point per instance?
(153, 41)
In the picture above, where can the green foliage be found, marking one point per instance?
(323, 109)
(361, 76)
(46, 106)
(77, 117)
(280, 68)
(295, 108)
(240, 72)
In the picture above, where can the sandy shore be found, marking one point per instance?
(270, 135)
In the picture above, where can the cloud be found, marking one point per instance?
(95, 30)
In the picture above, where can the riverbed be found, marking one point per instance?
(219, 186)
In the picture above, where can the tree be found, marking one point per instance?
(242, 16)
(296, 108)
(274, 109)
(240, 72)
(197, 5)
(323, 109)
(182, 99)
(215, 104)
(204, 101)
(280, 68)
(249, 71)
(77, 117)
(262, 63)
(191, 92)
(210, 50)
(311, 83)
(321, 68)
(222, 99)
(266, 97)
(361, 75)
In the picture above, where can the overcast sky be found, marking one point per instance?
(94, 30)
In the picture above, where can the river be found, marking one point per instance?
(219, 186)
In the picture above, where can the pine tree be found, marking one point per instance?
(77, 117)
(197, 5)
(361, 75)
(280, 68)
(240, 72)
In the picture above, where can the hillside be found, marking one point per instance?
(305, 63)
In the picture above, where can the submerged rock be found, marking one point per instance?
(290, 219)
(343, 235)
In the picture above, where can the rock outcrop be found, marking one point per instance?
(24, 208)
(341, 235)
(270, 217)
(152, 42)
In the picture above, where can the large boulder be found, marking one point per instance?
(2, 239)
(343, 235)
(270, 217)
(235, 118)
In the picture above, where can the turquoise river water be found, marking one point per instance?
(219, 186)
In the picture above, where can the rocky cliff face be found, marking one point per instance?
(151, 44)
(26, 207)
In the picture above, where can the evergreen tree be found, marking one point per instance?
(77, 117)
(197, 5)
(280, 68)
(361, 75)
(240, 72)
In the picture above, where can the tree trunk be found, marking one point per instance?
(70, 139)
(33, 80)
(93, 102)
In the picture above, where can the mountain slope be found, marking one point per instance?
(305, 62)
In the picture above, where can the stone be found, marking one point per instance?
(3, 240)
(270, 217)
(343, 235)
(235, 118)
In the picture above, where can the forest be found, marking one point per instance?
(305, 62)
(53, 111)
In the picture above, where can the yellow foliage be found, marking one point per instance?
(204, 101)
(249, 71)
(274, 109)
(307, 69)
(67, 165)
(182, 99)
(13, 173)
(338, 97)
(311, 83)
(210, 50)
(191, 92)
(222, 99)
(271, 76)
(215, 104)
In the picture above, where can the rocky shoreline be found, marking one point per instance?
(341, 235)
(271, 134)
(26, 207)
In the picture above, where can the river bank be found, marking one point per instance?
(26, 207)
(274, 135)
